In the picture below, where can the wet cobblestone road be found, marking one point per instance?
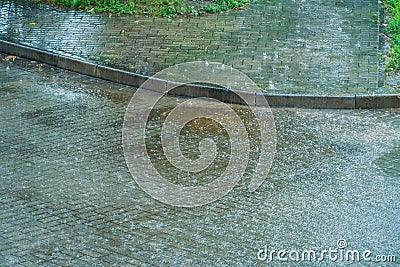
(67, 198)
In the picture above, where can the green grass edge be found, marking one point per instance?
(162, 8)
(392, 8)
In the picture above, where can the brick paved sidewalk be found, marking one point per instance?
(322, 47)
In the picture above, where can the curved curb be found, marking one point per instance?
(228, 96)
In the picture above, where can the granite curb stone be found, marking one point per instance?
(224, 95)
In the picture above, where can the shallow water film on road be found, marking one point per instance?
(68, 198)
